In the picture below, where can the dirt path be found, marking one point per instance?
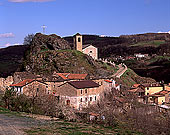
(13, 125)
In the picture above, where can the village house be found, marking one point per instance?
(144, 91)
(30, 87)
(78, 94)
(139, 92)
(60, 78)
(81, 93)
(86, 49)
(160, 97)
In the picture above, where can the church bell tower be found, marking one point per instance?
(78, 42)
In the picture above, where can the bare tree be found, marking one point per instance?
(28, 39)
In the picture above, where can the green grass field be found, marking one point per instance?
(74, 128)
(155, 43)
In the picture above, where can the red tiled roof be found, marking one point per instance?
(137, 90)
(68, 76)
(22, 83)
(83, 84)
(108, 81)
(116, 85)
(161, 93)
(94, 114)
(136, 85)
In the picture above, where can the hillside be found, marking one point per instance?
(48, 53)
(11, 59)
(125, 44)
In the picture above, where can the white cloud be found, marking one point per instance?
(21, 1)
(7, 35)
(8, 44)
(17, 44)
(164, 32)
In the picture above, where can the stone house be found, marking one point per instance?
(139, 92)
(30, 87)
(78, 94)
(107, 84)
(58, 79)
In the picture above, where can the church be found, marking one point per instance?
(86, 49)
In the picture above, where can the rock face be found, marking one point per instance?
(43, 42)
(64, 61)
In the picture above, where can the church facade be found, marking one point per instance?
(86, 49)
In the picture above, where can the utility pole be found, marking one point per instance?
(44, 28)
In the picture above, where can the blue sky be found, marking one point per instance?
(19, 18)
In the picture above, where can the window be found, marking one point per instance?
(85, 90)
(81, 91)
(46, 86)
(81, 100)
(90, 51)
(147, 93)
(147, 88)
(37, 89)
(90, 98)
(86, 99)
(54, 86)
(79, 39)
(95, 98)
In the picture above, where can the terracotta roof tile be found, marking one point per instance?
(137, 90)
(161, 93)
(108, 81)
(22, 83)
(116, 85)
(69, 76)
(136, 85)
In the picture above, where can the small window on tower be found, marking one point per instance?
(79, 39)
(90, 51)
(90, 98)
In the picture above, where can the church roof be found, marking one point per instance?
(87, 45)
(78, 34)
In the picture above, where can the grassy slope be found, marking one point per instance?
(74, 128)
(130, 77)
(154, 43)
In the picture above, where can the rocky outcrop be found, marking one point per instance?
(43, 42)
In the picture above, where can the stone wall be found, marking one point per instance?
(6, 82)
